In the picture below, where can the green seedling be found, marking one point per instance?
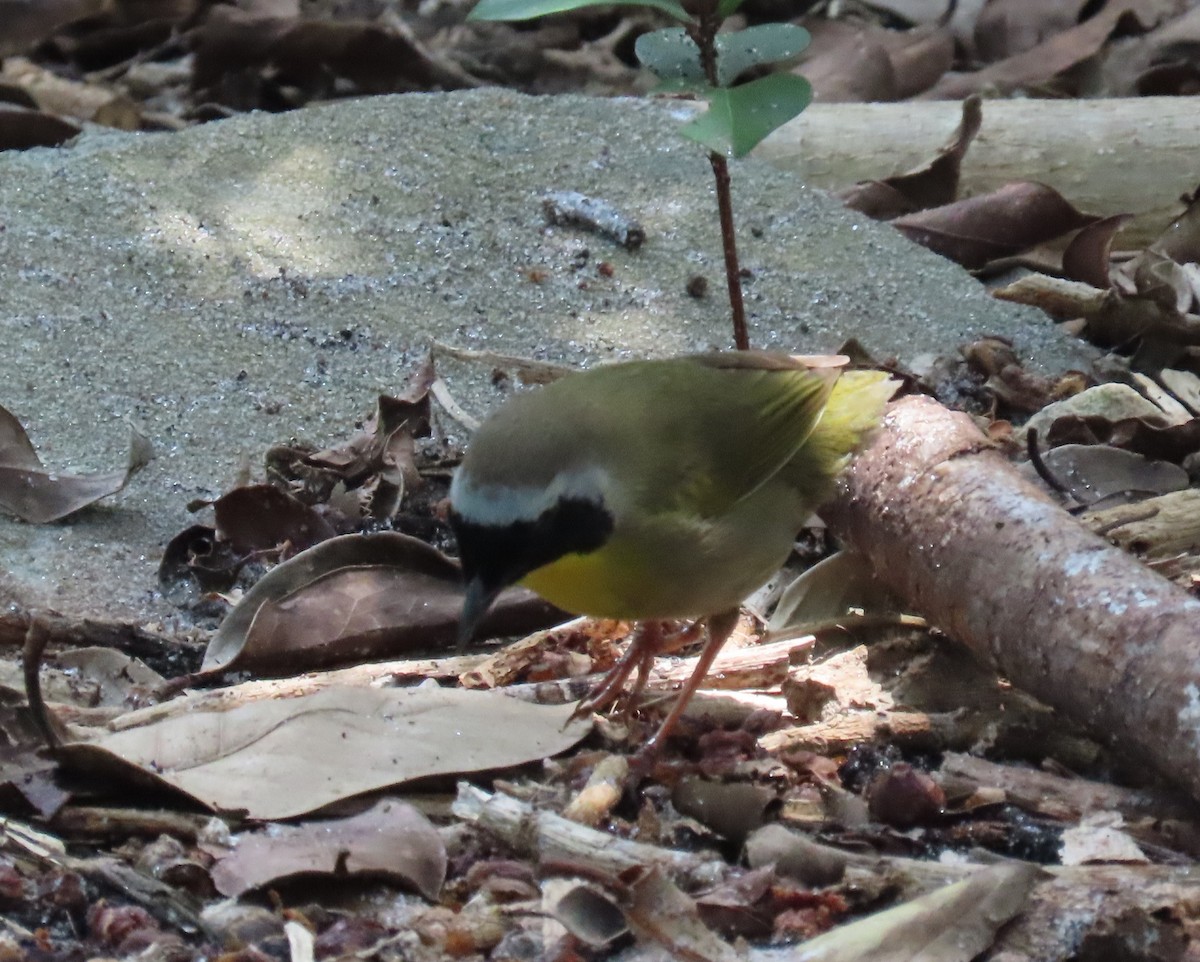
(698, 59)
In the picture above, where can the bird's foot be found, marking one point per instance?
(718, 628)
(650, 639)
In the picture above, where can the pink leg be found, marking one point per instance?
(647, 638)
(720, 627)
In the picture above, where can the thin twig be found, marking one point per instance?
(37, 636)
(1040, 466)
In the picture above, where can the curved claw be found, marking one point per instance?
(642, 648)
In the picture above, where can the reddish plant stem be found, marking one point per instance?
(733, 270)
(705, 33)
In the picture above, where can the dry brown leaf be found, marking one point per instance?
(114, 677)
(847, 63)
(261, 517)
(37, 495)
(914, 11)
(1153, 299)
(1006, 28)
(920, 57)
(377, 448)
(377, 57)
(904, 797)
(979, 229)
(1086, 258)
(1161, 63)
(931, 185)
(21, 129)
(390, 839)
(1126, 319)
(1095, 472)
(284, 758)
(746, 905)
(25, 22)
(357, 597)
(1151, 438)
(1043, 63)
(1157, 278)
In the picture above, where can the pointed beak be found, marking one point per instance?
(475, 605)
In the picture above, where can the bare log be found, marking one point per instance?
(985, 555)
(1082, 148)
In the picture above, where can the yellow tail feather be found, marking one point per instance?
(851, 416)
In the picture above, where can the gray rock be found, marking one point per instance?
(260, 279)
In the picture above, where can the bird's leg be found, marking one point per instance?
(720, 627)
(647, 637)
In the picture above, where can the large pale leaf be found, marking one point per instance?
(286, 757)
(528, 9)
(739, 117)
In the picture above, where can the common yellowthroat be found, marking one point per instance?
(657, 490)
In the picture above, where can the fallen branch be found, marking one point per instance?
(952, 527)
(1082, 148)
(555, 839)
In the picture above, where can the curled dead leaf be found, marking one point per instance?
(1001, 223)
(38, 495)
(356, 597)
(261, 517)
(931, 185)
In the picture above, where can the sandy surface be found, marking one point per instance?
(261, 279)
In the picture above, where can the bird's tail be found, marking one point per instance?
(852, 414)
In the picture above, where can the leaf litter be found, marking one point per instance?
(799, 748)
(845, 746)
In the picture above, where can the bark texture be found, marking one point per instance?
(989, 558)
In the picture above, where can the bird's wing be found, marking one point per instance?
(743, 416)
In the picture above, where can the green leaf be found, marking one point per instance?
(528, 9)
(740, 50)
(739, 117)
(727, 8)
(697, 88)
(672, 55)
(675, 58)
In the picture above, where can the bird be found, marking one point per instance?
(659, 491)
